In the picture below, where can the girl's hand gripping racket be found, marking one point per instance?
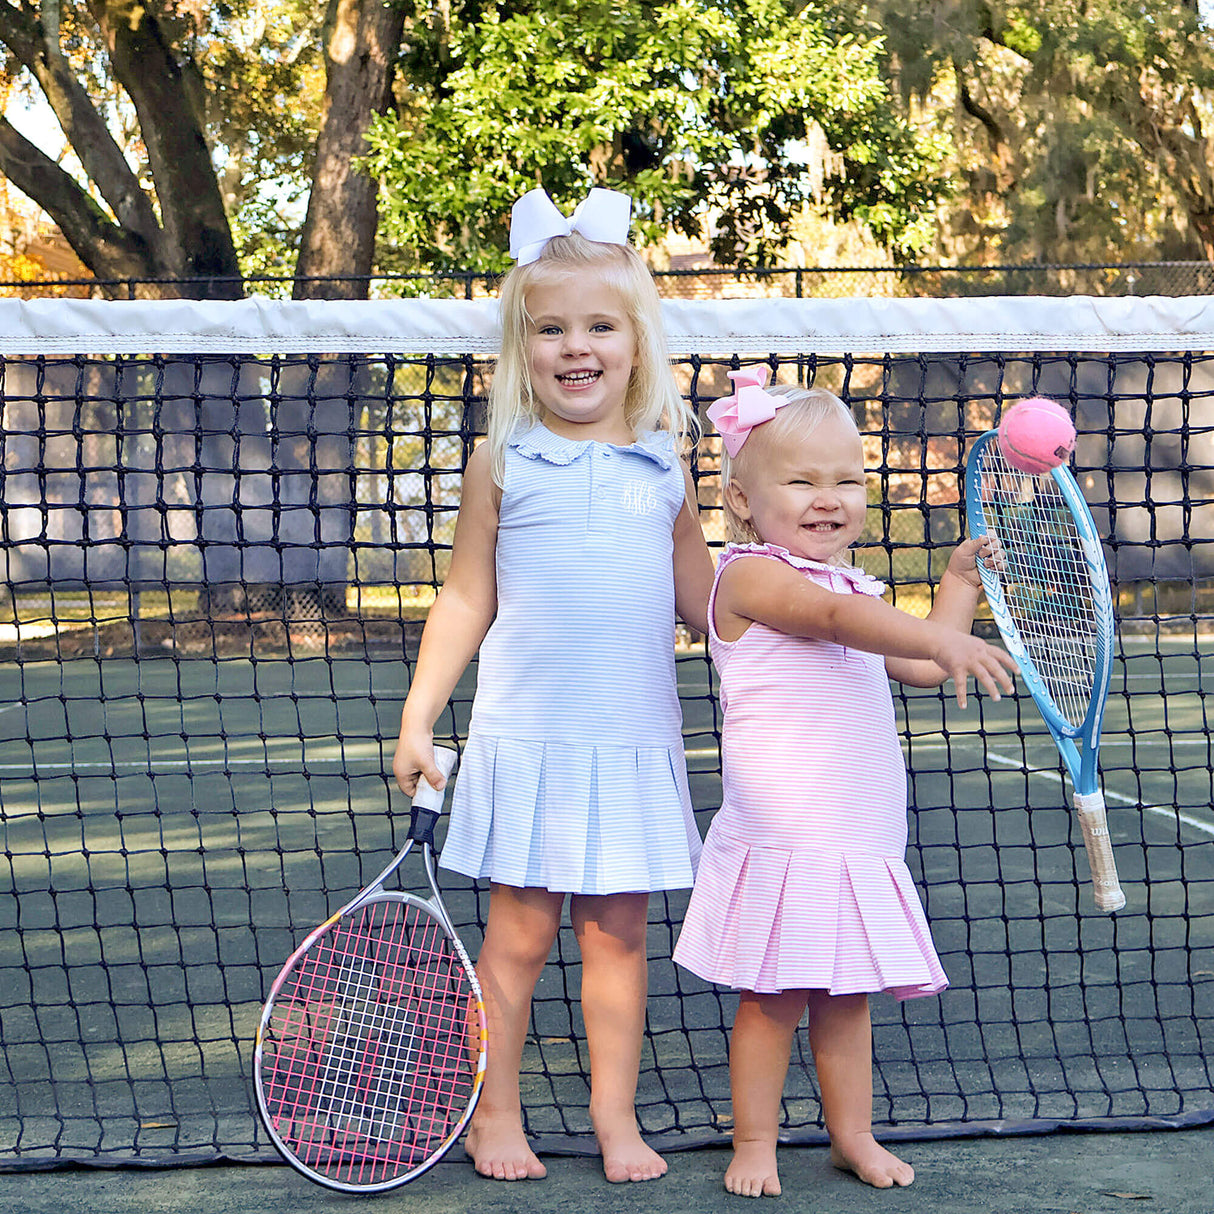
(1049, 595)
(371, 1048)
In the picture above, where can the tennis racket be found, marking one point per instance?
(370, 1052)
(1049, 595)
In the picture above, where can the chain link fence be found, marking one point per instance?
(1170, 278)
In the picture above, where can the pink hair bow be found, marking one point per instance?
(737, 415)
(602, 216)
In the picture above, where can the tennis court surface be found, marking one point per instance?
(1055, 1174)
(215, 570)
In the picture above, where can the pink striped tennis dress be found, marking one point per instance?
(803, 881)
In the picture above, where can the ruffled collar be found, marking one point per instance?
(863, 583)
(538, 442)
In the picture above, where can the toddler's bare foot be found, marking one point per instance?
(870, 1161)
(626, 1157)
(752, 1170)
(499, 1149)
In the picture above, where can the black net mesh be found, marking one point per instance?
(216, 569)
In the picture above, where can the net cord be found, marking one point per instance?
(744, 326)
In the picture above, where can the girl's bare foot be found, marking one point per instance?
(626, 1157)
(752, 1171)
(499, 1149)
(870, 1161)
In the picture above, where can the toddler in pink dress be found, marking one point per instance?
(803, 898)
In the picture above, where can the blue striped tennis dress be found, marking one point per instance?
(573, 778)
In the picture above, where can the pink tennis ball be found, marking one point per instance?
(1036, 435)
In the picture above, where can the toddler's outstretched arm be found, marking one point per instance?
(455, 627)
(954, 605)
(760, 590)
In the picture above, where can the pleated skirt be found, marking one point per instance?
(572, 818)
(767, 919)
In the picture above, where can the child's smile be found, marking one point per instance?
(807, 495)
(577, 379)
(581, 352)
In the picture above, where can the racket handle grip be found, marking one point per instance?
(427, 796)
(1105, 885)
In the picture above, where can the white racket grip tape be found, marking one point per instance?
(1105, 885)
(427, 796)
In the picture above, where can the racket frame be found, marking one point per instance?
(424, 814)
(1078, 743)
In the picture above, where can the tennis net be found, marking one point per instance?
(222, 526)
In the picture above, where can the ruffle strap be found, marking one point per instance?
(861, 582)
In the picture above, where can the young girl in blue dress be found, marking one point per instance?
(577, 541)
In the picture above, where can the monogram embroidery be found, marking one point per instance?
(639, 498)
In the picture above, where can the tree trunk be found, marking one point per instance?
(186, 233)
(1202, 222)
(196, 238)
(109, 251)
(362, 40)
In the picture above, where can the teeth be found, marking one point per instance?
(579, 377)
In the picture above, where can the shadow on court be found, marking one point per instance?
(1168, 1172)
(172, 828)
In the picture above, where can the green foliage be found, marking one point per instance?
(265, 228)
(264, 85)
(1021, 35)
(739, 112)
(1078, 130)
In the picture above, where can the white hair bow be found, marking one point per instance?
(603, 216)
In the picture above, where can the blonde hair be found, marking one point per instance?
(803, 411)
(652, 400)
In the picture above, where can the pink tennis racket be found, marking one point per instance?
(370, 1052)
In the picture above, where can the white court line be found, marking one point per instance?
(205, 766)
(703, 752)
(1108, 743)
(958, 739)
(1163, 811)
(1159, 638)
(1170, 677)
(192, 766)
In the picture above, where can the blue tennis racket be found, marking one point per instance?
(1049, 595)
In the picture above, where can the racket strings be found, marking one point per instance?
(1043, 578)
(368, 1062)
